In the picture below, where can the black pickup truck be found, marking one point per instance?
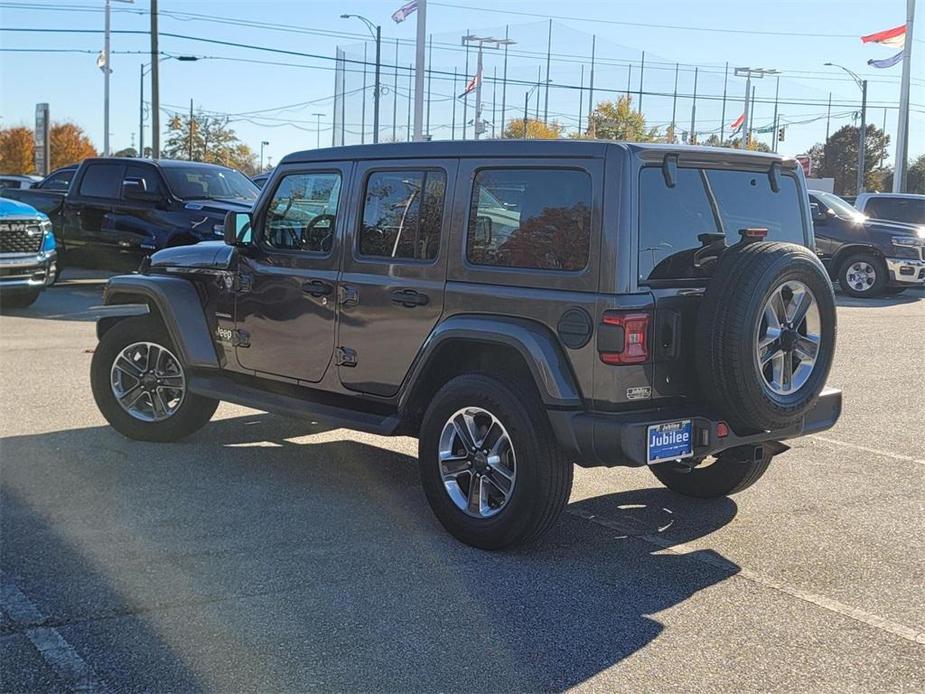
(115, 211)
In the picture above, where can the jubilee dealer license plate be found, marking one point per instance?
(670, 441)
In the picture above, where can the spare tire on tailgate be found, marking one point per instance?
(765, 334)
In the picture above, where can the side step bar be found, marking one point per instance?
(223, 388)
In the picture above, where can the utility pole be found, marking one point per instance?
(504, 82)
(592, 126)
(642, 70)
(776, 129)
(395, 98)
(548, 58)
(318, 130)
(722, 119)
(141, 110)
(692, 138)
(674, 102)
(155, 88)
(748, 73)
(263, 143)
(191, 130)
(482, 42)
(902, 130)
(105, 64)
(419, 68)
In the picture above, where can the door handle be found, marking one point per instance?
(318, 288)
(409, 298)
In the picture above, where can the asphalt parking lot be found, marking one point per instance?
(265, 554)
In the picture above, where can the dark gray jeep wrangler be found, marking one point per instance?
(518, 306)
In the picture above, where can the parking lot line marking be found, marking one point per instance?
(57, 653)
(691, 553)
(875, 451)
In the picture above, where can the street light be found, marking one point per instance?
(145, 68)
(862, 136)
(318, 130)
(748, 73)
(527, 95)
(483, 42)
(103, 63)
(376, 32)
(263, 143)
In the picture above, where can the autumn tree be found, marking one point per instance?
(536, 130)
(837, 158)
(69, 145)
(617, 120)
(208, 139)
(17, 151)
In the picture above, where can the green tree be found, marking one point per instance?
(127, 152)
(753, 144)
(211, 141)
(837, 158)
(915, 178)
(536, 129)
(616, 120)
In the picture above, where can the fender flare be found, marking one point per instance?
(535, 343)
(849, 248)
(180, 308)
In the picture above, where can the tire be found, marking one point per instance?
(190, 413)
(542, 479)
(19, 299)
(728, 474)
(732, 323)
(863, 275)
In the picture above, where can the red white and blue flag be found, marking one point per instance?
(737, 123)
(471, 85)
(403, 12)
(895, 37)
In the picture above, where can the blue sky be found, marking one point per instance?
(275, 96)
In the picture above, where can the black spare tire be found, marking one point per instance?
(765, 334)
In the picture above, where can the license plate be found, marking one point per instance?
(670, 441)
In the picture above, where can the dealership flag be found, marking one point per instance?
(403, 12)
(895, 37)
(737, 123)
(471, 85)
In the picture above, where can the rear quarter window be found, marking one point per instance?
(102, 181)
(682, 229)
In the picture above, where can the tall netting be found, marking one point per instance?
(558, 75)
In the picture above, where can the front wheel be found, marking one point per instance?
(862, 276)
(727, 473)
(491, 469)
(141, 387)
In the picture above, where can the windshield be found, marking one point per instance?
(839, 206)
(200, 182)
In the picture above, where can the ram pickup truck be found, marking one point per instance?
(28, 260)
(115, 211)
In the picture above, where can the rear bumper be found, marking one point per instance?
(906, 272)
(27, 270)
(619, 439)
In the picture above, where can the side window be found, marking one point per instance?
(102, 181)
(403, 214)
(147, 174)
(302, 214)
(530, 219)
(58, 181)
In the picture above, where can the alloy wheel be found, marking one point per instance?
(147, 381)
(788, 338)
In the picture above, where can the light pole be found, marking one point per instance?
(862, 136)
(144, 69)
(376, 32)
(527, 105)
(104, 64)
(748, 73)
(263, 143)
(318, 130)
(493, 44)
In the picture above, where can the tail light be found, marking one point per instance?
(623, 338)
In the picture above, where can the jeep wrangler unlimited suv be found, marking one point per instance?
(519, 307)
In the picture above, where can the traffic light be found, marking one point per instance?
(780, 134)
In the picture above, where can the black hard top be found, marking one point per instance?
(163, 163)
(509, 148)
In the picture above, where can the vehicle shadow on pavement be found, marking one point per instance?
(910, 296)
(68, 300)
(268, 554)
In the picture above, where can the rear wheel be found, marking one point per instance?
(140, 386)
(727, 473)
(491, 470)
(863, 275)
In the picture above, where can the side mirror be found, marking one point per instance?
(820, 216)
(237, 229)
(137, 189)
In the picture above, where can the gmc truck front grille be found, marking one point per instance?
(20, 237)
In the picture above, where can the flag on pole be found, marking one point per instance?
(895, 37)
(737, 123)
(403, 12)
(471, 85)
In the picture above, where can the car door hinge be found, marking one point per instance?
(346, 357)
(241, 338)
